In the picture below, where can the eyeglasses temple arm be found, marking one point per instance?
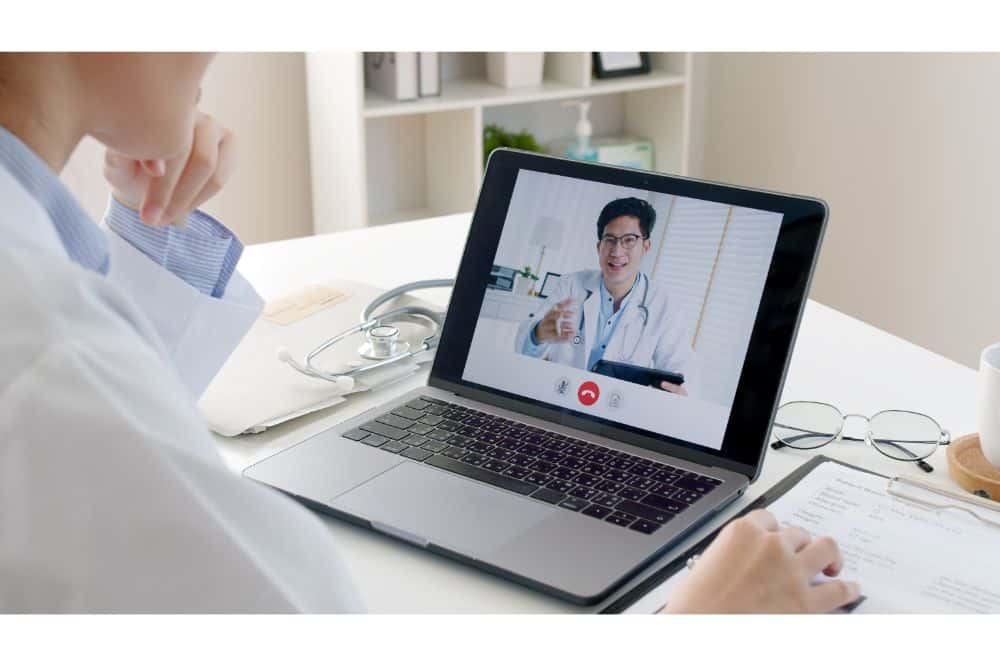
(922, 464)
(782, 443)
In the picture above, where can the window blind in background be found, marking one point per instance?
(714, 264)
(685, 259)
(733, 298)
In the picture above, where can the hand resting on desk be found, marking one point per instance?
(757, 566)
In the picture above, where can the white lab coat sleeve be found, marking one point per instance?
(199, 332)
(103, 509)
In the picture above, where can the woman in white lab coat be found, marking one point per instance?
(112, 497)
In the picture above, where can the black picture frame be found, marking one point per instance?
(603, 70)
(545, 282)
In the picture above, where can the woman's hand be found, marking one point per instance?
(165, 191)
(756, 566)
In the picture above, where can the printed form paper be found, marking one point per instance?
(907, 558)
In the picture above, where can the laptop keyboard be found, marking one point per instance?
(604, 484)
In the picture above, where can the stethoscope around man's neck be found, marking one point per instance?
(643, 310)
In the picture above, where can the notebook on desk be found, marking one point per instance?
(913, 548)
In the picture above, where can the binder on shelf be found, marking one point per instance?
(393, 74)
(429, 73)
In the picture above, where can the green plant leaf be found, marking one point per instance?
(495, 137)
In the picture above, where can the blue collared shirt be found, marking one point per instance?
(204, 254)
(607, 323)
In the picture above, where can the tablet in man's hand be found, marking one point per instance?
(637, 374)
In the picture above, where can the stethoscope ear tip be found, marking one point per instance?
(343, 383)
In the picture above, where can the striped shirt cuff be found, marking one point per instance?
(204, 254)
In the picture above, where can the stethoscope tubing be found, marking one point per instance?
(370, 321)
(578, 338)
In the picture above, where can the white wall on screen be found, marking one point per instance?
(576, 204)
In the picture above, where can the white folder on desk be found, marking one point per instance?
(254, 390)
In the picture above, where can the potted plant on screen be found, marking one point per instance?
(526, 280)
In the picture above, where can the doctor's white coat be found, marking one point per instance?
(663, 343)
(112, 495)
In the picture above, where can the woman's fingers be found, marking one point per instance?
(822, 554)
(198, 170)
(224, 168)
(160, 191)
(795, 538)
(154, 168)
(828, 596)
(763, 519)
(165, 191)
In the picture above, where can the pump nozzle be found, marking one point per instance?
(583, 127)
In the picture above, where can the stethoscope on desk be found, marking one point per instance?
(643, 310)
(382, 344)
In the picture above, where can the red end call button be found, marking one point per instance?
(588, 393)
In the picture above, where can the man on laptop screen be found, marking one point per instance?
(655, 334)
(614, 313)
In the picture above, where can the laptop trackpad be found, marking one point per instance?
(444, 509)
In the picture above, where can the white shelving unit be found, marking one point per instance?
(376, 160)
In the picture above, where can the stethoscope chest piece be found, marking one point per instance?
(383, 342)
(577, 339)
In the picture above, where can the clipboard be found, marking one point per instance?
(933, 498)
(770, 495)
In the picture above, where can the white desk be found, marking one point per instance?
(837, 359)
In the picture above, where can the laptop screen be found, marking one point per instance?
(645, 308)
(629, 305)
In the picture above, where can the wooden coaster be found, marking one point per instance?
(970, 469)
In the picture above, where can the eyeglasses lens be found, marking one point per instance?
(904, 435)
(806, 425)
(627, 241)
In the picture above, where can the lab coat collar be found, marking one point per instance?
(605, 295)
(83, 240)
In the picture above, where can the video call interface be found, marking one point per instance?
(629, 305)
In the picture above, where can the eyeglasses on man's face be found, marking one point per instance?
(627, 241)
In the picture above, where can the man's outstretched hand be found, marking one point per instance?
(558, 324)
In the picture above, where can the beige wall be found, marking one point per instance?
(906, 151)
(905, 148)
(262, 98)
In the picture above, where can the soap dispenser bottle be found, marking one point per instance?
(580, 148)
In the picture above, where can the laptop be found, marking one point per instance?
(519, 459)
